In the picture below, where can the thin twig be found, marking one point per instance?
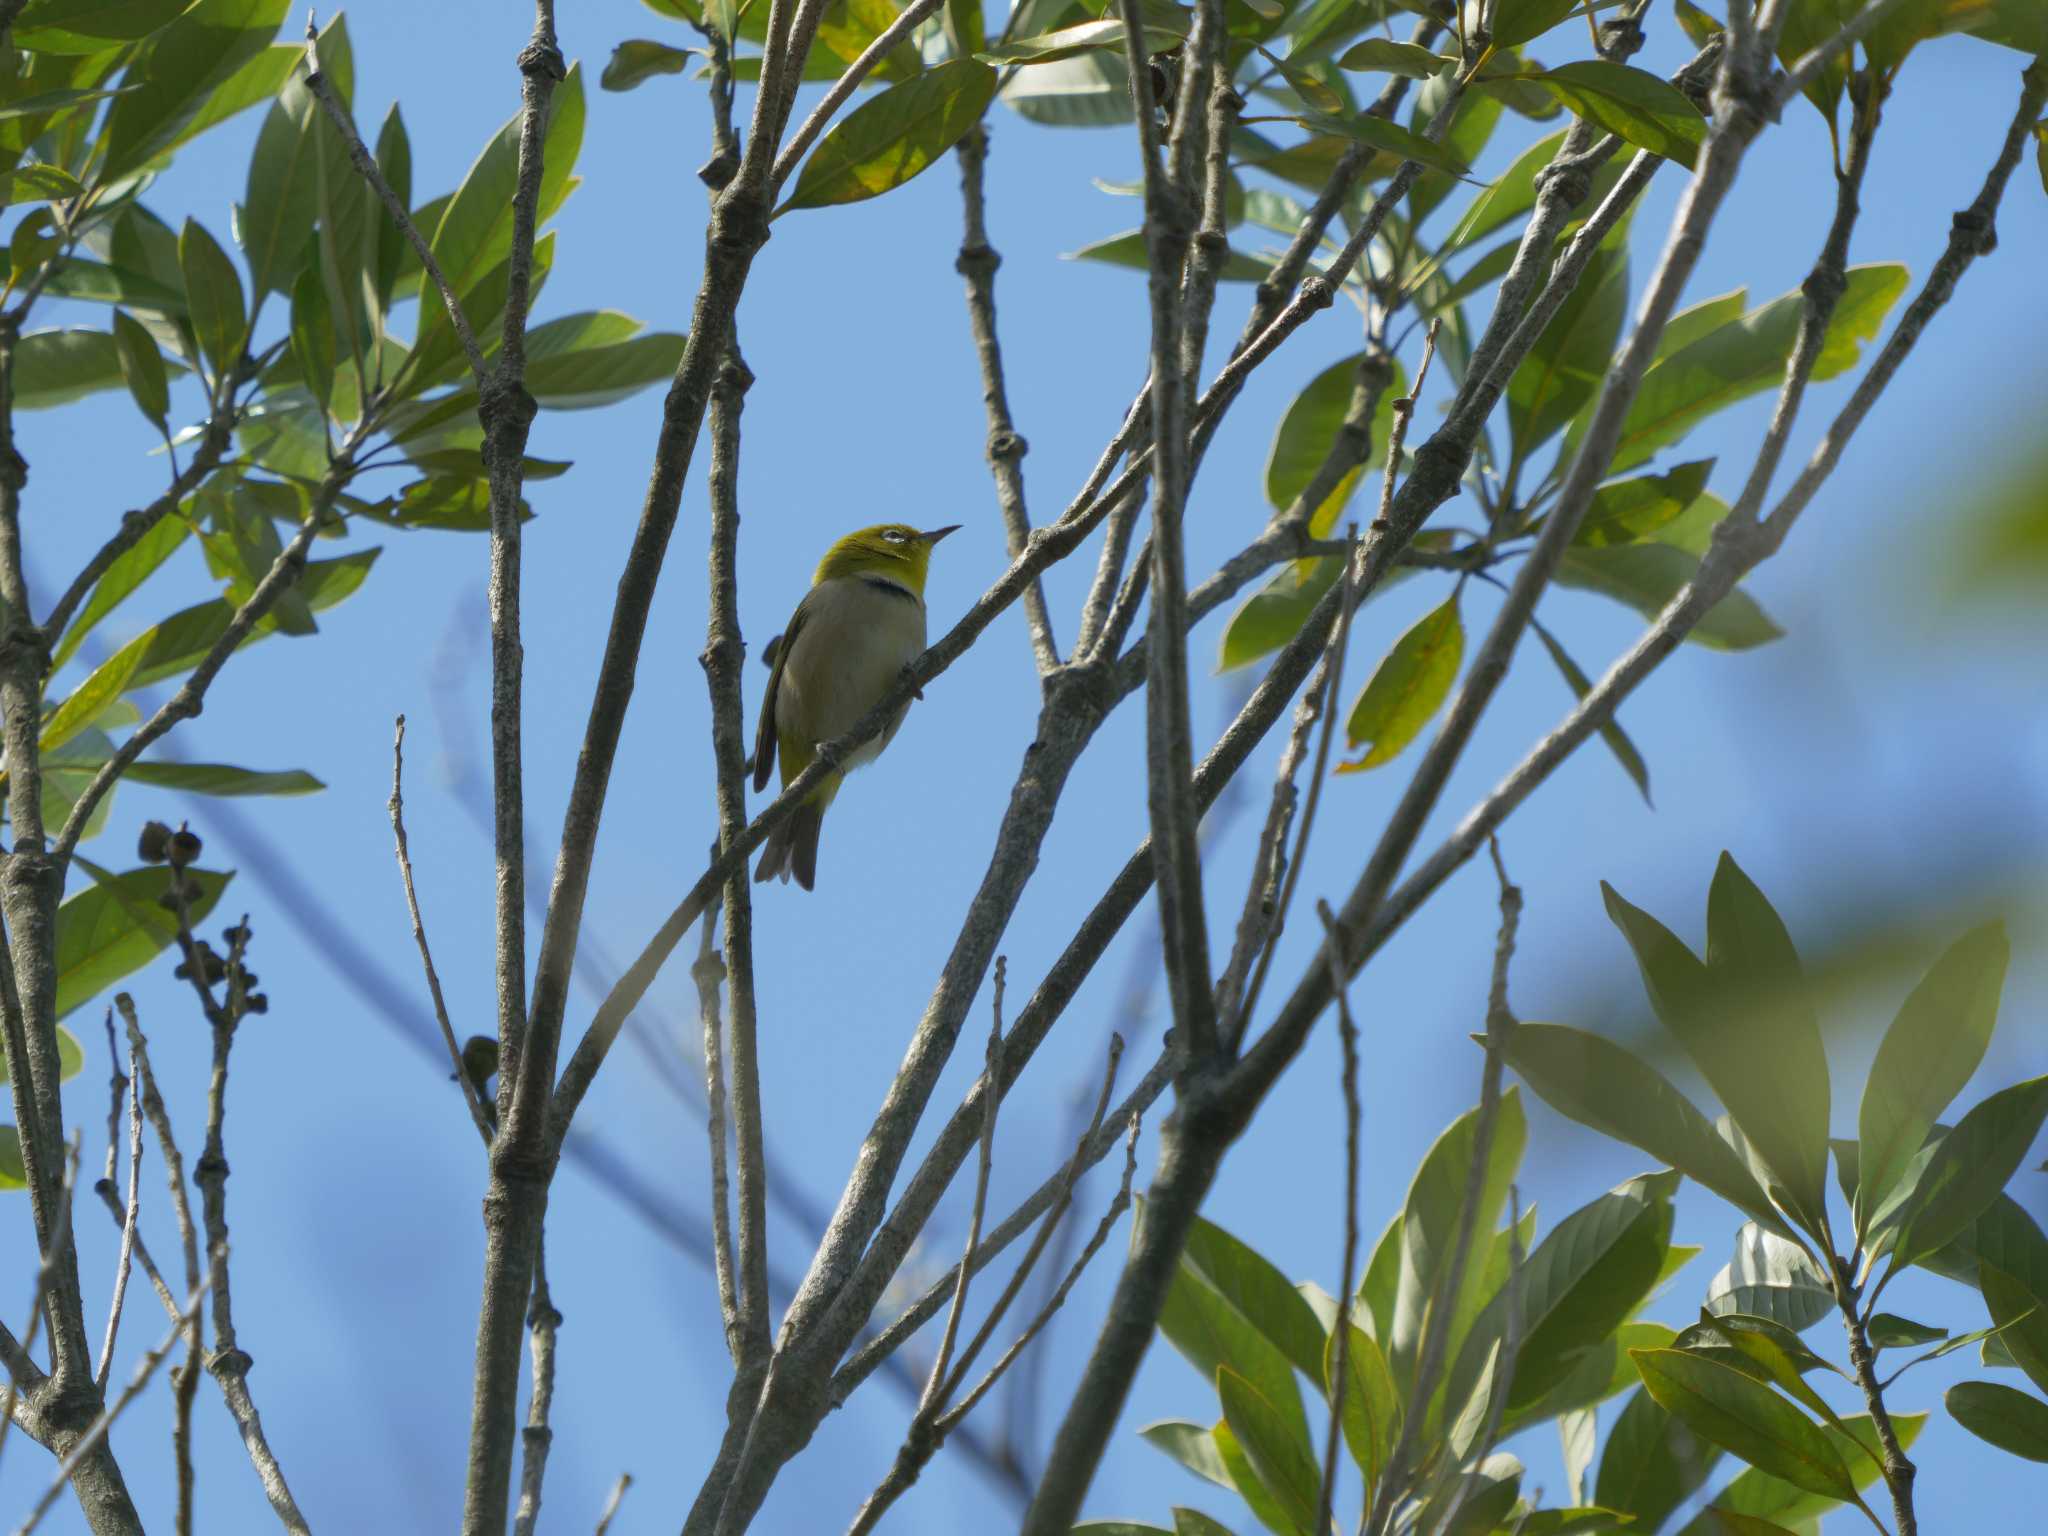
(90, 1440)
(125, 1087)
(1340, 1377)
(709, 974)
(611, 1503)
(477, 1112)
(542, 1322)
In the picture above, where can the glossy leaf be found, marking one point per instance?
(1928, 1054)
(1611, 734)
(187, 67)
(1260, 1293)
(1277, 1447)
(214, 291)
(1766, 1016)
(1647, 576)
(1770, 1278)
(1128, 250)
(2003, 1416)
(1631, 103)
(1651, 1462)
(142, 367)
(1407, 688)
(1372, 1406)
(1191, 1445)
(1629, 511)
(116, 926)
(637, 60)
(129, 570)
(892, 136)
(1384, 56)
(1971, 1168)
(1746, 357)
(1758, 1495)
(1745, 1417)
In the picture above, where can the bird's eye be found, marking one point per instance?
(893, 536)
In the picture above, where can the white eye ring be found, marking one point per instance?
(893, 536)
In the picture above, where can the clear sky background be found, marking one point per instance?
(1887, 757)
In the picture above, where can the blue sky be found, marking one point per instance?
(1887, 756)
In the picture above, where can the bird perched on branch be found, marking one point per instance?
(849, 640)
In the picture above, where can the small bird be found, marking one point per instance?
(849, 640)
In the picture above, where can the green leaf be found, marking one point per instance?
(1767, 1016)
(1651, 1462)
(1769, 1351)
(87, 26)
(891, 137)
(1388, 138)
(2003, 1416)
(53, 368)
(1276, 1446)
(2020, 1312)
(221, 779)
(142, 366)
(1566, 366)
(1587, 1277)
(1616, 739)
(1385, 56)
(1191, 1445)
(39, 184)
(474, 232)
(1192, 1522)
(1746, 357)
(1514, 194)
(12, 1174)
(1889, 1331)
(1117, 1528)
(1482, 1498)
(129, 570)
(1519, 21)
(1308, 431)
(70, 1057)
(1429, 1225)
(1758, 1495)
(1770, 1278)
(1084, 37)
(1930, 1051)
(214, 290)
(1648, 576)
(283, 196)
(1629, 511)
(1697, 25)
(1407, 689)
(1128, 250)
(1210, 1332)
(192, 64)
(1631, 103)
(1971, 1168)
(394, 251)
(1372, 1407)
(1265, 1504)
(1714, 1521)
(1742, 1415)
(637, 60)
(313, 337)
(118, 926)
(1261, 1294)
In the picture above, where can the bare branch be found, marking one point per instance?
(542, 1321)
(477, 1112)
(611, 1503)
(709, 975)
(977, 263)
(124, 1087)
(1340, 1379)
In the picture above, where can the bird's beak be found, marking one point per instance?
(933, 535)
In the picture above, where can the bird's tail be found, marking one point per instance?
(792, 848)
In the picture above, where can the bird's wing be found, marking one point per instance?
(764, 733)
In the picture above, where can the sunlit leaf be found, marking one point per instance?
(118, 925)
(1407, 688)
(2003, 1416)
(1744, 1416)
(891, 137)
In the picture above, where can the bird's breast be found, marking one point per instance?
(856, 639)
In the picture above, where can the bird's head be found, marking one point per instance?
(893, 550)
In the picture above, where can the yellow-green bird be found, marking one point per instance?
(849, 640)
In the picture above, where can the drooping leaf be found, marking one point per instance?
(214, 290)
(1372, 1408)
(1930, 1051)
(1407, 689)
(1745, 1417)
(1648, 576)
(2019, 1309)
(129, 570)
(1615, 738)
(1277, 1447)
(892, 136)
(142, 366)
(1128, 250)
(1189, 1444)
(1651, 1463)
(1271, 1512)
(117, 926)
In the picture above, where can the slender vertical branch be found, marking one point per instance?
(708, 973)
(542, 1321)
(1340, 1381)
(977, 263)
(124, 1088)
(723, 658)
